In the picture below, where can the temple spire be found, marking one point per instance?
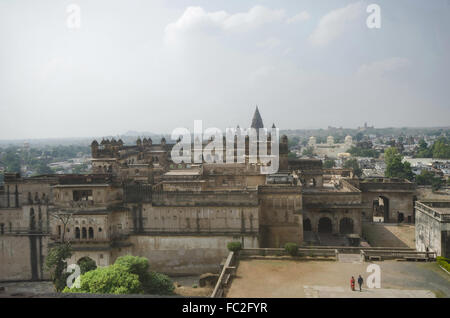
(257, 120)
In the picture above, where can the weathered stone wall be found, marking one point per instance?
(22, 257)
(186, 254)
(398, 202)
(336, 216)
(208, 219)
(280, 217)
(430, 232)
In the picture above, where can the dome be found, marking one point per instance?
(330, 140)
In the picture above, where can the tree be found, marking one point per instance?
(42, 168)
(128, 275)
(424, 151)
(56, 264)
(108, 280)
(292, 155)
(395, 168)
(427, 178)
(86, 264)
(64, 218)
(353, 164)
(329, 163)
(309, 152)
(359, 136)
(441, 148)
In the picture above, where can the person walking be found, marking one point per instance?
(360, 282)
(352, 283)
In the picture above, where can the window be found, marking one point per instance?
(91, 233)
(2, 228)
(82, 195)
(99, 229)
(77, 232)
(83, 233)
(59, 230)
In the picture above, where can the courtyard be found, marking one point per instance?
(331, 279)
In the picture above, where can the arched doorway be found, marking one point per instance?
(346, 226)
(307, 225)
(325, 225)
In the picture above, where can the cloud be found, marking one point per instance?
(300, 17)
(335, 23)
(269, 43)
(196, 19)
(379, 68)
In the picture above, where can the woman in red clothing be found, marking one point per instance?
(352, 283)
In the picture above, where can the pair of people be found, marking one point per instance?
(360, 282)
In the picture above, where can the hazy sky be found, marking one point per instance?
(157, 65)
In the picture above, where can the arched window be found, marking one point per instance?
(307, 225)
(346, 226)
(325, 225)
(77, 233)
(91, 233)
(83, 233)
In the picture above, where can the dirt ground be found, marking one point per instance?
(273, 278)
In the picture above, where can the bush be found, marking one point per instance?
(159, 284)
(56, 264)
(291, 248)
(108, 280)
(86, 264)
(234, 246)
(128, 275)
(444, 262)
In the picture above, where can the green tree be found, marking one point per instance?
(309, 152)
(395, 168)
(359, 136)
(428, 178)
(441, 148)
(128, 275)
(108, 280)
(353, 164)
(424, 151)
(292, 155)
(56, 264)
(86, 264)
(329, 163)
(42, 168)
(12, 161)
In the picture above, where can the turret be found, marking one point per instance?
(94, 149)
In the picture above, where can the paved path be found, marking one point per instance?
(341, 292)
(286, 278)
(349, 258)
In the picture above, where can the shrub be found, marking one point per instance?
(86, 264)
(128, 275)
(56, 264)
(234, 246)
(108, 280)
(159, 284)
(291, 248)
(152, 282)
(444, 262)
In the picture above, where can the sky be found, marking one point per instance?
(86, 68)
